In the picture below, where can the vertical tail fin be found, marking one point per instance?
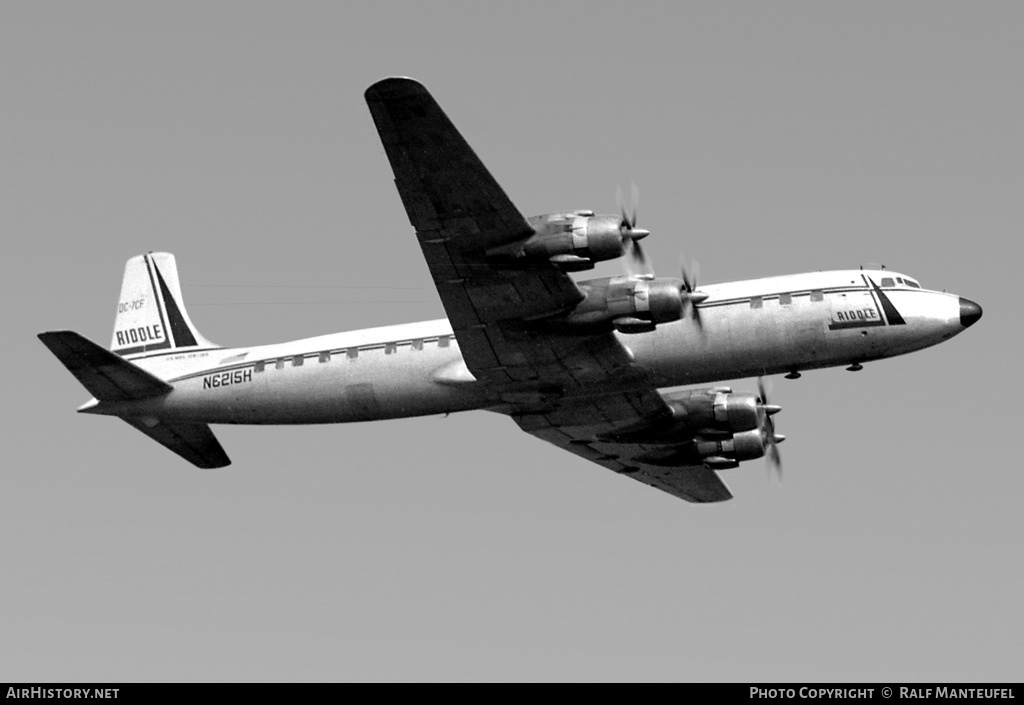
(150, 312)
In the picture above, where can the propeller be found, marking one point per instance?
(774, 439)
(637, 266)
(693, 297)
(631, 235)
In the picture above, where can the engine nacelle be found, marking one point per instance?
(716, 408)
(745, 445)
(713, 414)
(572, 241)
(630, 304)
(712, 427)
(720, 453)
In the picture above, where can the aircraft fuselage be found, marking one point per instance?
(763, 326)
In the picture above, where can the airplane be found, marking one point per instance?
(591, 366)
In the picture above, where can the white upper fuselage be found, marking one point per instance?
(754, 327)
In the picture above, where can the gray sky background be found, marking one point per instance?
(766, 139)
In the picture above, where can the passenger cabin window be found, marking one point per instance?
(279, 365)
(756, 302)
(817, 295)
(442, 341)
(785, 299)
(913, 283)
(390, 348)
(417, 344)
(325, 356)
(353, 353)
(887, 281)
(258, 367)
(297, 361)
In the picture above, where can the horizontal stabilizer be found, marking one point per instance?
(106, 375)
(193, 442)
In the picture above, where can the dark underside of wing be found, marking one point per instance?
(578, 427)
(461, 213)
(564, 386)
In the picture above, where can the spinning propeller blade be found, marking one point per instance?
(694, 296)
(773, 439)
(637, 264)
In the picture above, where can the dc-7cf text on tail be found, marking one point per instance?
(579, 364)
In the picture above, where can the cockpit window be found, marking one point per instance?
(913, 283)
(887, 281)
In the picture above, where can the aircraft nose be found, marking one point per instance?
(970, 312)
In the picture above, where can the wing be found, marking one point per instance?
(460, 213)
(578, 427)
(559, 385)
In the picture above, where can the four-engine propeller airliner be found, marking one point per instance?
(580, 364)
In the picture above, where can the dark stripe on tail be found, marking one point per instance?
(179, 329)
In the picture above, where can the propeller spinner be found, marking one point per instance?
(631, 235)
